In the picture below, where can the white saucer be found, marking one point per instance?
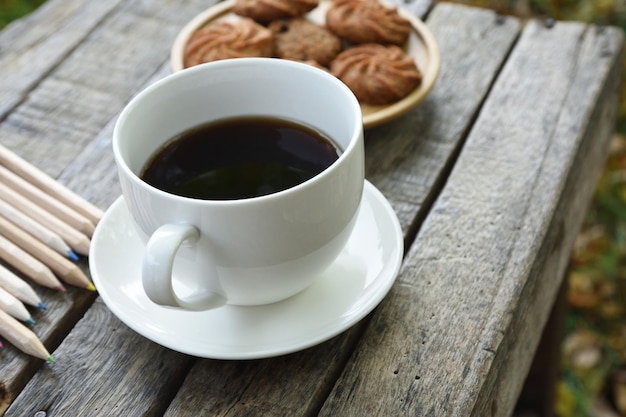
(352, 286)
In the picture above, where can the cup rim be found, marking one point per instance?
(247, 61)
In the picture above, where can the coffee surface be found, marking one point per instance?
(239, 158)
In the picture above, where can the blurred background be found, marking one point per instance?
(593, 362)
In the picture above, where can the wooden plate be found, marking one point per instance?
(421, 45)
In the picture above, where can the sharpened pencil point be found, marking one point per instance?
(51, 359)
(91, 287)
(1, 345)
(60, 288)
(72, 255)
(31, 321)
(42, 306)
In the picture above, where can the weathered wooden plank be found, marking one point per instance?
(408, 159)
(600, 51)
(87, 382)
(295, 385)
(64, 310)
(290, 385)
(64, 111)
(33, 46)
(482, 274)
(95, 164)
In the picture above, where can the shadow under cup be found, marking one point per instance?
(263, 249)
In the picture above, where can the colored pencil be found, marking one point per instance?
(63, 268)
(14, 307)
(22, 337)
(46, 202)
(19, 288)
(40, 179)
(36, 229)
(76, 240)
(28, 265)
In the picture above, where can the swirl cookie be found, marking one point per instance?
(367, 21)
(377, 74)
(223, 39)
(264, 11)
(301, 40)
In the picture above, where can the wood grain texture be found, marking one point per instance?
(33, 46)
(478, 283)
(290, 385)
(95, 163)
(409, 159)
(76, 97)
(87, 382)
(586, 131)
(53, 325)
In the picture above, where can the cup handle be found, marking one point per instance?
(158, 263)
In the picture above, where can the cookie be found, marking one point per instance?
(225, 39)
(367, 21)
(377, 74)
(264, 11)
(301, 40)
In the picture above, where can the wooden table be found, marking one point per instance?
(490, 176)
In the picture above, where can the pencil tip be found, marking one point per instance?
(31, 321)
(72, 255)
(60, 288)
(90, 287)
(51, 359)
(42, 306)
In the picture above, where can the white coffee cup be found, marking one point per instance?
(201, 254)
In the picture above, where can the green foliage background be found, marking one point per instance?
(593, 369)
(13, 9)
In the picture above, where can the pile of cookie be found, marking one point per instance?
(360, 43)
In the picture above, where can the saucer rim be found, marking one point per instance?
(386, 276)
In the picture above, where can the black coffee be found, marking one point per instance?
(239, 158)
